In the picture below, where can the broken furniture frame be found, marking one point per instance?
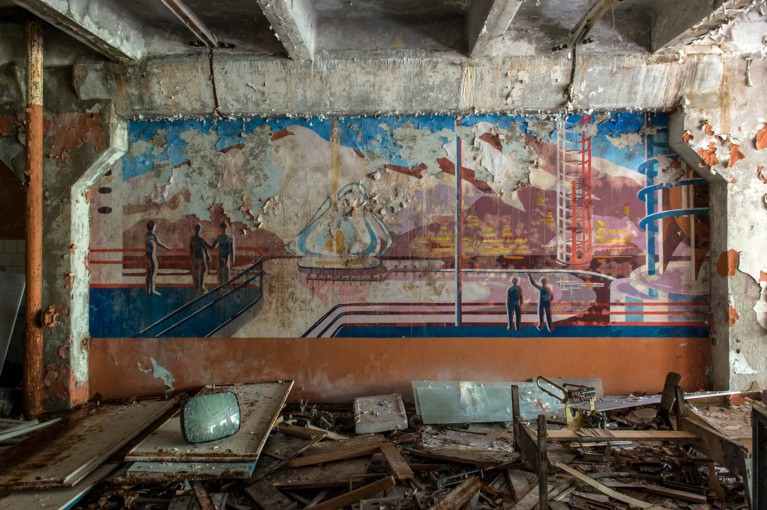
(533, 446)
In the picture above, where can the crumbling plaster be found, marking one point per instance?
(717, 132)
(82, 141)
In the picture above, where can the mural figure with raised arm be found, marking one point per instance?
(545, 298)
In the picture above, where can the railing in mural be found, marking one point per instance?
(210, 312)
(689, 313)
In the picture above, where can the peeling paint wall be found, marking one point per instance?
(361, 227)
(73, 140)
(723, 132)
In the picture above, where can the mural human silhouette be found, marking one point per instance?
(545, 298)
(152, 242)
(198, 252)
(225, 243)
(514, 305)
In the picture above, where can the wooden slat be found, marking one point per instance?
(399, 467)
(64, 453)
(260, 406)
(660, 491)
(357, 494)
(331, 456)
(336, 474)
(268, 497)
(347, 444)
(602, 487)
(591, 435)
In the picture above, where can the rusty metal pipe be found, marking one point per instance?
(33, 332)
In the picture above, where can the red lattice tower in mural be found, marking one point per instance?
(575, 245)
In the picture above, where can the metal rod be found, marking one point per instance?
(458, 228)
(543, 465)
(33, 332)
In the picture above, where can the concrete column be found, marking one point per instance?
(33, 336)
(718, 133)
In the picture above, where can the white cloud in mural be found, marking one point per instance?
(617, 175)
(626, 140)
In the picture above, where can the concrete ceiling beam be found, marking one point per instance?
(103, 26)
(685, 21)
(488, 20)
(294, 24)
(181, 87)
(192, 22)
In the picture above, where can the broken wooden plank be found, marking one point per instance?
(602, 488)
(331, 456)
(260, 405)
(458, 497)
(56, 499)
(346, 444)
(281, 448)
(591, 435)
(399, 467)
(268, 497)
(303, 432)
(666, 492)
(203, 497)
(355, 495)
(483, 459)
(335, 474)
(64, 453)
(164, 472)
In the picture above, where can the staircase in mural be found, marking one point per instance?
(211, 312)
(574, 192)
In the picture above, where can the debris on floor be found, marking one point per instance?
(372, 455)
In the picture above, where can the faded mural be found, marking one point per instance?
(363, 227)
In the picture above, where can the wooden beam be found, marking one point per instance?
(543, 465)
(397, 464)
(33, 328)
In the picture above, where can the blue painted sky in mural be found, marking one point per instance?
(361, 134)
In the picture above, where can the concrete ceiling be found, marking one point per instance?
(303, 29)
(373, 56)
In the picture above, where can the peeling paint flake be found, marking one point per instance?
(761, 138)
